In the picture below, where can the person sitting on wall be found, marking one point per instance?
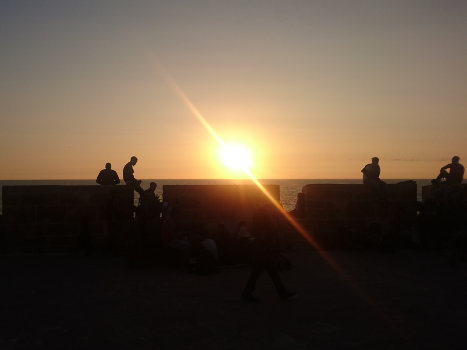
(455, 175)
(150, 202)
(108, 176)
(129, 178)
(371, 176)
(371, 172)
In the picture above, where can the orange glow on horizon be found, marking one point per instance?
(295, 224)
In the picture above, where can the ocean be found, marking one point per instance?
(289, 188)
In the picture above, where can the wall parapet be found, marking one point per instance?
(54, 217)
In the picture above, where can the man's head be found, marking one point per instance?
(455, 159)
(108, 166)
(152, 186)
(133, 160)
(375, 160)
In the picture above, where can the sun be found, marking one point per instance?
(236, 156)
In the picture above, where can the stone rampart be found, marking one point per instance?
(215, 204)
(339, 212)
(57, 218)
(430, 192)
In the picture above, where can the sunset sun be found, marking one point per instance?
(236, 156)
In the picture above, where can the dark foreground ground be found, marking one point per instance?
(406, 300)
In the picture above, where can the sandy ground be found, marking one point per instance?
(405, 300)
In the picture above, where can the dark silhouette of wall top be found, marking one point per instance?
(45, 218)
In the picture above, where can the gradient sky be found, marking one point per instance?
(315, 88)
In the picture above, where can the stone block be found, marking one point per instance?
(426, 192)
(222, 203)
(19, 214)
(30, 212)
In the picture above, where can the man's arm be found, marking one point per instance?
(447, 166)
(99, 178)
(116, 178)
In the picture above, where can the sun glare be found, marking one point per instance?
(236, 156)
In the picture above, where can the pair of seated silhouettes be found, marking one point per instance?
(108, 176)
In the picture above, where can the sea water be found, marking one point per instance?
(289, 188)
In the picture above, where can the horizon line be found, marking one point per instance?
(229, 179)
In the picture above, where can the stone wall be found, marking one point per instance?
(64, 218)
(214, 204)
(57, 218)
(428, 192)
(340, 212)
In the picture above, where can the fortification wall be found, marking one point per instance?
(63, 218)
(49, 218)
(429, 192)
(215, 204)
(338, 213)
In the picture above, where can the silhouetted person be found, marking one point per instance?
(371, 177)
(128, 176)
(108, 176)
(150, 203)
(455, 175)
(264, 256)
(371, 171)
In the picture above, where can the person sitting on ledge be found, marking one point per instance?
(371, 172)
(455, 175)
(108, 176)
(371, 177)
(151, 203)
(129, 178)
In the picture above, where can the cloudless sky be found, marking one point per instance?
(315, 88)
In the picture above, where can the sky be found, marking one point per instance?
(313, 88)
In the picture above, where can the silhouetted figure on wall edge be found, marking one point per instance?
(371, 177)
(371, 171)
(108, 176)
(455, 175)
(150, 203)
(128, 176)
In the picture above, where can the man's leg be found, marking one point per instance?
(251, 283)
(276, 279)
(137, 186)
(443, 174)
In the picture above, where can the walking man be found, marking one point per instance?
(264, 257)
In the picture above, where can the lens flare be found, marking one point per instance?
(240, 163)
